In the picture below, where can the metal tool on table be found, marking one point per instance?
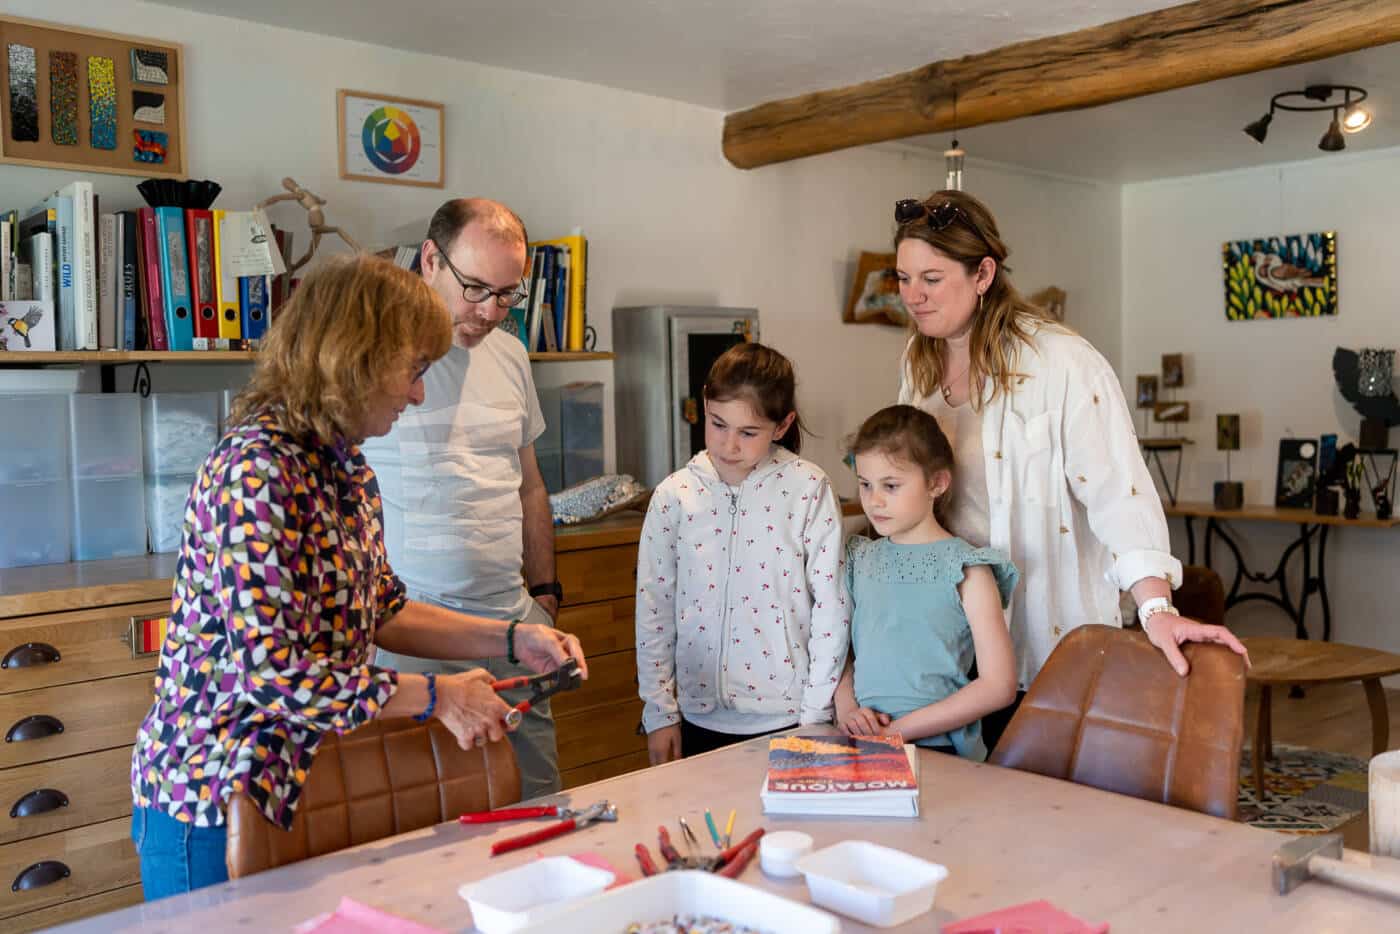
(564, 678)
(1307, 858)
(729, 862)
(573, 819)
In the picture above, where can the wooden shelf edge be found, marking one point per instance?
(52, 357)
(572, 356)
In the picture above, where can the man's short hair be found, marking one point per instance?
(454, 216)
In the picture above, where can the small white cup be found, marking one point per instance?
(1383, 802)
(778, 852)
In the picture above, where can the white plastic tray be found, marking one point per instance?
(508, 901)
(871, 883)
(671, 893)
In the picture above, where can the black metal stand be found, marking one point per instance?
(1155, 454)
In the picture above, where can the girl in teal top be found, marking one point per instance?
(926, 603)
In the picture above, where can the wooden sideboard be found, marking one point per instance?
(71, 683)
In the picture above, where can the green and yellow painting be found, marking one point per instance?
(1292, 276)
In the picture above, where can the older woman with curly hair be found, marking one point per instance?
(282, 586)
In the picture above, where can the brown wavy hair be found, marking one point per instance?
(911, 435)
(1004, 322)
(762, 377)
(350, 322)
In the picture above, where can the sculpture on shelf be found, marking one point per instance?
(1369, 390)
(315, 218)
(1228, 494)
(1353, 489)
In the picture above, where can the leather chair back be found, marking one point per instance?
(1108, 711)
(382, 779)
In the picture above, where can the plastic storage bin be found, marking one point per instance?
(581, 424)
(109, 517)
(36, 427)
(36, 526)
(508, 901)
(871, 883)
(549, 447)
(105, 434)
(180, 429)
(166, 495)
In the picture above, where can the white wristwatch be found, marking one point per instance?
(1152, 607)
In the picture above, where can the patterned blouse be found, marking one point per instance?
(281, 581)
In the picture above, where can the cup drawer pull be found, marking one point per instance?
(40, 875)
(29, 655)
(39, 801)
(35, 727)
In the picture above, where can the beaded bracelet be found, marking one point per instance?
(427, 714)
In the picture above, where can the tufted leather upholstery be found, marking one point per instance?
(1201, 595)
(1108, 711)
(383, 779)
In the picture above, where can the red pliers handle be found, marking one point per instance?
(490, 817)
(564, 678)
(537, 836)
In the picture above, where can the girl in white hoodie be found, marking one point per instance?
(743, 621)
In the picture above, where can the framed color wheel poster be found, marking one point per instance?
(387, 139)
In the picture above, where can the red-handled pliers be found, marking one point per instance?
(573, 819)
(564, 678)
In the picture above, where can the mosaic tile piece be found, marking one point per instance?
(24, 105)
(151, 146)
(102, 95)
(63, 97)
(148, 107)
(150, 67)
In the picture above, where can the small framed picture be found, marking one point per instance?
(1173, 371)
(393, 140)
(1297, 473)
(874, 297)
(1227, 432)
(1146, 391)
(1172, 412)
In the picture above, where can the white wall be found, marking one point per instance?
(1276, 374)
(668, 219)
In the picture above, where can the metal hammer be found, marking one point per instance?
(1307, 858)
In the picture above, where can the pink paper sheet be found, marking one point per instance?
(1031, 918)
(352, 917)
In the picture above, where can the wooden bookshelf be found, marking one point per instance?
(117, 357)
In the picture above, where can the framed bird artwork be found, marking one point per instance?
(26, 326)
(1287, 276)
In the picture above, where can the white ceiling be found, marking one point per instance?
(732, 54)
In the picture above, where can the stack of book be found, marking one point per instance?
(867, 776)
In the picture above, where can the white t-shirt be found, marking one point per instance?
(449, 475)
(967, 513)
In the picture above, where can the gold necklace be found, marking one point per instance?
(948, 390)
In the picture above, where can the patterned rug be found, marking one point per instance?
(1306, 791)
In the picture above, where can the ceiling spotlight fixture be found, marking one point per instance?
(1347, 115)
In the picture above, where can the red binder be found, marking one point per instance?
(150, 260)
(199, 235)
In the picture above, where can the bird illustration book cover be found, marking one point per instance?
(1287, 276)
(26, 326)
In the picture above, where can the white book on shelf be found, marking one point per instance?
(40, 256)
(84, 264)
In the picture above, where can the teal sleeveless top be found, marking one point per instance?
(912, 642)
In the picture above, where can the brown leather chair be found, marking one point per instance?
(1108, 711)
(380, 780)
(1201, 595)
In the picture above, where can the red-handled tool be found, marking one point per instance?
(564, 678)
(600, 811)
(491, 817)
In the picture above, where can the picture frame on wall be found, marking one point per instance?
(390, 140)
(1297, 473)
(874, 297)
(1146, 390)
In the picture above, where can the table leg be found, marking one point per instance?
(1322, 584)
(1262, 743)
(1190, 539)
(1380, 715)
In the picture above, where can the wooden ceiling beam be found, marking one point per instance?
(1159, 51)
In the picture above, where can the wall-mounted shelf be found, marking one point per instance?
(117, 357)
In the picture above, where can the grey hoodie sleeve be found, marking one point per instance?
(656, 612)
(831, 606)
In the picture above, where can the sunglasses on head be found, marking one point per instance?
(908, 210)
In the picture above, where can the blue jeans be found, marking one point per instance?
(176, 857)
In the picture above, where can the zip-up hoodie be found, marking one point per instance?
(741, 594)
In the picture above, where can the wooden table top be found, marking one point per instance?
(1276, 514)
(1305, 661)
(1006, 837)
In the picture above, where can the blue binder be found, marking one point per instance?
(175, 278)
(252, 301)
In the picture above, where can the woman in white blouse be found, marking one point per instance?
(1049, 470)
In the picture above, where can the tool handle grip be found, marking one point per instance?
(1351, 876)
(530, 839)
(645, 861)
(735, 866)
(490, 817)
(733, 851)
(510, 684)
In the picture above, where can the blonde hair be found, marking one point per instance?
(349, 324)
(1004, 320)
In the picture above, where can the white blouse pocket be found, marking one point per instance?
(1028, 449)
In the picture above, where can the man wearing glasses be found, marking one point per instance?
(467, 520)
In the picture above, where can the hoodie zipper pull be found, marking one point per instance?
(733, 502)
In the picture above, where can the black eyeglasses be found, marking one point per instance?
(476, 293)
(908, 210)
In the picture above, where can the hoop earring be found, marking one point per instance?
(980, 296)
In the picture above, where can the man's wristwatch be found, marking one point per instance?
(548, 590)
(1151, 608)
